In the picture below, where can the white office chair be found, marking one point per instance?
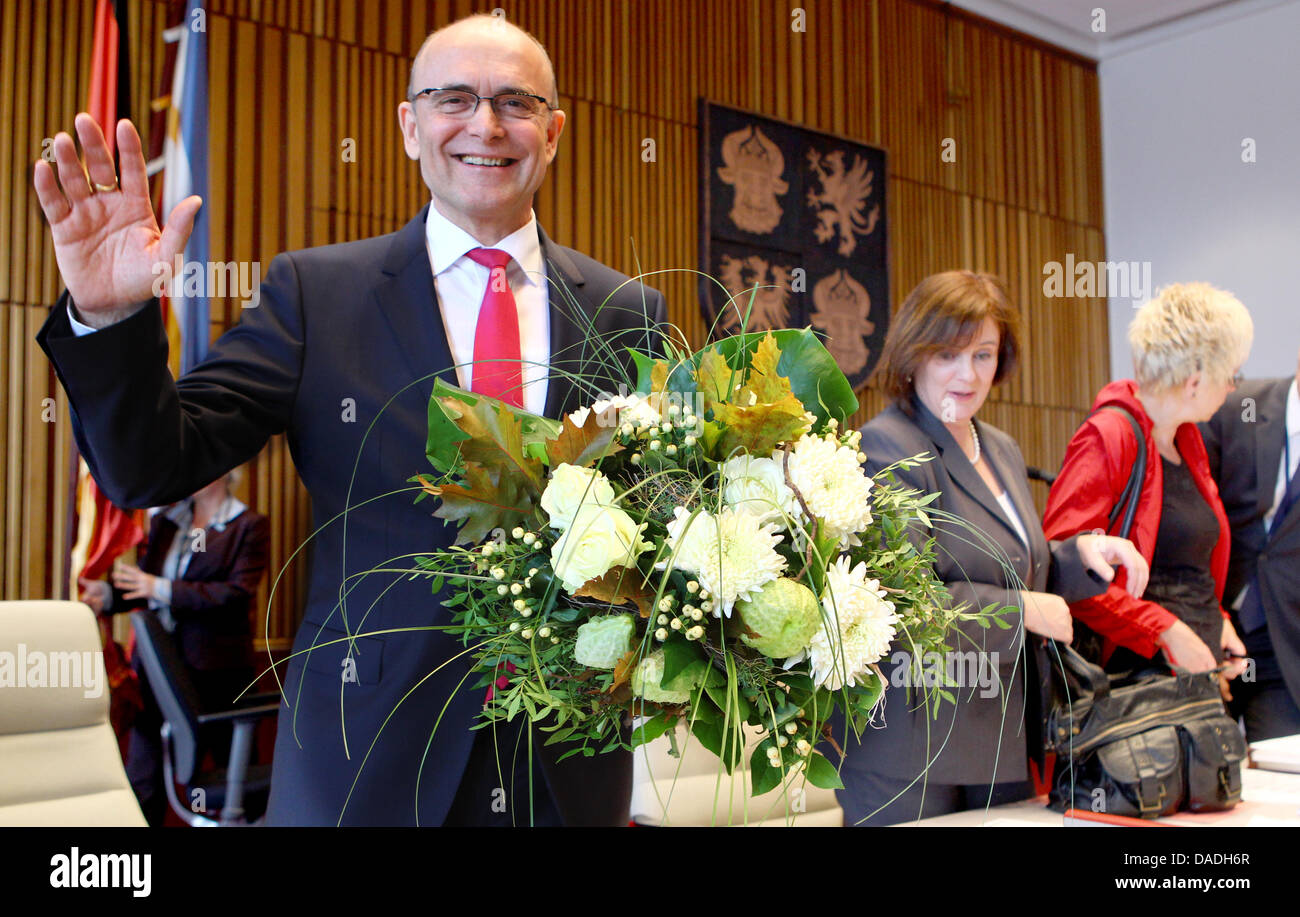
(59, 759)
(695, 790)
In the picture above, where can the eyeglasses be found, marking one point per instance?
(1237, 379)
(459, 103)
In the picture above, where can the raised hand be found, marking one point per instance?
(109, 248)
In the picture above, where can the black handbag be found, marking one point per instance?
(1087, 641)
(1144, 748)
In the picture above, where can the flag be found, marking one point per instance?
(185, 172)
(109, 69)
(104, 531)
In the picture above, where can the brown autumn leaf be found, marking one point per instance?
(623, 669)
(494, 439)
(619, 586)
(489, 500)
(765, 412)
(583, 446)
(715, 379)
(659, 376)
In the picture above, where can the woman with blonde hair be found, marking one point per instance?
(1188, 345)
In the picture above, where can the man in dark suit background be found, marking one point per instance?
(340, 354)
(1254, 448)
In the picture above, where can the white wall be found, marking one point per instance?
(1174, 114)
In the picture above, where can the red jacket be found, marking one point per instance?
(1096, 468)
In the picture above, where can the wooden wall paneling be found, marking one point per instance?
(37, 461)
(297, 144)
(320, 164)
(11, 338)
(13, 151)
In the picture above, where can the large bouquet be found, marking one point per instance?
(706, 552)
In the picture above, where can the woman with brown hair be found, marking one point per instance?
(954, 338)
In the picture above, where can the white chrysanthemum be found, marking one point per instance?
(755, 485)
(866, 620)
(833, 484)
(728, 554)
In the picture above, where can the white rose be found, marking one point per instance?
(571, 487)
(600, 537)
(756, 486)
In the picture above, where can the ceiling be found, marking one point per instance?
(1128, 23)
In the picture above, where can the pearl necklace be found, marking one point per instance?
(976, 437)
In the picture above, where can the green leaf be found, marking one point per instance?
(763, 776)
(651, 729)
(822, 773)
(814, 377)
(722, 742)
(709, 734)
(678, 655)
(651, 374)
(703, 710)
(477, 428)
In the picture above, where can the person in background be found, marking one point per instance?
(199, 572)
(1253, 443)
(955, 337)
(1188, 344)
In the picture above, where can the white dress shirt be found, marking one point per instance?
(1293, 439)
(1009, 508)
(461, 282)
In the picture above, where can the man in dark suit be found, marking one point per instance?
(1254, 448)
(340, 353)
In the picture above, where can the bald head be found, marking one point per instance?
(478, 25)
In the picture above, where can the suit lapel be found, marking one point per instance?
(1270, 427)
(409, 303)
(571, 325)
(963, 473)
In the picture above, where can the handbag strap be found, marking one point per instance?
(1086, 674)
(1127, 504)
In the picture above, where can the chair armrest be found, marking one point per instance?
(241, 713)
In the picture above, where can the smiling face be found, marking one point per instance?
(953, 382)
(482, 171)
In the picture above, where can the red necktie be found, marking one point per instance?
(498, 370)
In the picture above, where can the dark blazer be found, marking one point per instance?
(990, 735)
(213, 600)
(340, 354)
(1244, 459)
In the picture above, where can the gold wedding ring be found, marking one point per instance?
(105, 188)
